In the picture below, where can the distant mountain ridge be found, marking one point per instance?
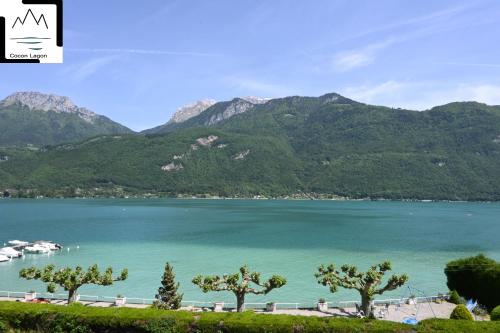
(191, 110)
(48, 102)
(328, 147)
(42, 119)
(197, 113)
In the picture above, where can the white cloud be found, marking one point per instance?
(423, 95)
(373, 93)
(347, 60)
(430, 21)
(146, 52)
(81, 72)
(403, 31)
(485, 93)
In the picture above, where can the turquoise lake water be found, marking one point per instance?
(290, 238)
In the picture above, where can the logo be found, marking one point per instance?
(31, 31)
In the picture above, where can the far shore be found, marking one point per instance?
(215, 198)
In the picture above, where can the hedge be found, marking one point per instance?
(475, 278)
(23, 317)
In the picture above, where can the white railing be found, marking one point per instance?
(296, 305)
(210, 304)
(202, 303)
(348, 304)
(11, 294)
(143, 301)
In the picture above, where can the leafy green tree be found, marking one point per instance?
(240, 284)
(71, 279)
(367, 284)
(475, 277)
(167, 297)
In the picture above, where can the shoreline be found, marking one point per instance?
(214, 198)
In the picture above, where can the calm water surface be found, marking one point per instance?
(290, 238)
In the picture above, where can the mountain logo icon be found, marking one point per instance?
(27, 16)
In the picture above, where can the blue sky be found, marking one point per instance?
(138, 61)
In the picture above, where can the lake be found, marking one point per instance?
(290, 238)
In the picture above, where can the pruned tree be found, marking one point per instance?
(240, 284)
(167, 297)
(71, 279)
(367, 283)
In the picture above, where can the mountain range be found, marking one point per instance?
(30, 118)
(327, 147)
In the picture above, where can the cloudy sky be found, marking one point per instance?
(138, 61)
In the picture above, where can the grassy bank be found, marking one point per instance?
(22, 317)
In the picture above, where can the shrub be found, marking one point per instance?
(455, 297)
(165, 325)
(495, 314)
(475, 278)
(461, 312)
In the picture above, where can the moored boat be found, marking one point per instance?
(50, 245)
(4, 258)
(18, 243)
(10, 252)
(37, 248)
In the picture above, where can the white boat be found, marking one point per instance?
(10, 252)
(18, 243)
(50, 245)
(37, 248)
(4, 258)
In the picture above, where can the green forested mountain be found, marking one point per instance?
(328, 145)
(39, 120)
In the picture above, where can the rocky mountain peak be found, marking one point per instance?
(233, 108)
(36, 101)
(256, 100)
(191, 110)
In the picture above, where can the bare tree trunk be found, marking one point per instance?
(366, 305)
(71, 296)
(240, 302)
